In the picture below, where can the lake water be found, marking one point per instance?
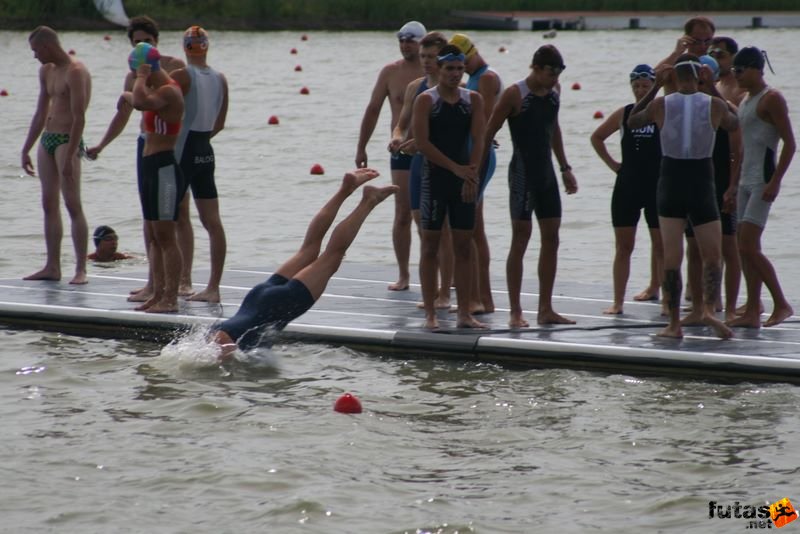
(114, 436)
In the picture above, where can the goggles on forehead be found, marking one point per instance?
(450, 57)
(640, 75)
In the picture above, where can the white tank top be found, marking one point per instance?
(687, 132)
(760, 141)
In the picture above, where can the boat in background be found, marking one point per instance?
(113, 11)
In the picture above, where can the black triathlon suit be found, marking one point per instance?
(637, 179)
(531, 178)
(722, 177)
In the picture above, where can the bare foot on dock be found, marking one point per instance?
(647, 294)
(470, 322)
(779, 315)
(152, 301)
(45, 274)
(163, 306)
(720, 329)
(207, 295)
(746, 321)
(141, 296)
(185, 290)
(694, 318)
(439, 304)
(431, 323)
(674, 332)
(79, 279)
(552, 317)
(615, 309)
(516, 320)
(400, 285)
(741, 310)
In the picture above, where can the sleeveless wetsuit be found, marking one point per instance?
(637, 179)
(489, 165)
(686, 186)
(760, 140)
(193, 150)
(415, 178)
(449, 129)
(531, 178)
(269, 306)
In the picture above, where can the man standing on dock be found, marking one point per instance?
(765, 121)
(65, 88)
(392, 82)
(687, 121)
(698, 34)
(206, 107)
(531, 107)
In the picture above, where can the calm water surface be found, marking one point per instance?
(116, 436)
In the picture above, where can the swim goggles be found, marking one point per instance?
(644, 74)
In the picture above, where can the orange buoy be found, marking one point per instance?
(293, 51)
(273, 120)
(298, 68)
(317, 169)
(576, 86)
(304, 91)
(347, 403)
(598, 114)
(3, 92)
(304, 37)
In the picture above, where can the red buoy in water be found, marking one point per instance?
(347, 403)
(3, 92)
(317, 169)
(293, 51)
(71, 52)
(273, 120)
(298, 68)
(107, 38)
(576, 86)
(598, 114)
(304, 37)
(304, 90)
(502, 50)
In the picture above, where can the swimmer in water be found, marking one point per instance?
(294, 288)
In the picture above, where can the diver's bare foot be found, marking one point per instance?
(468, 321)
(779, 315)
(80, 279)
(207, 295)
(551, 317)
(615, 309)
(354, 179)
(431, 323)
(400, 285)
(746, 321)
(45, 274)
(693, 319)
(164, 306)
(647, 294)
(226, 345)
(141, 296)
(379, 194)
(516, 320)
(673, 331)
(720, 328)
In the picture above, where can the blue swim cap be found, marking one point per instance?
(144, 53)
(643, 71)
(712, 64)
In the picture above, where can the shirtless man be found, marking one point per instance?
(698, 34)
(392, 82)
(531, 106)
(765, 122)
(687, 121)
(65, 88)
(162, 186)
(723, 49)
(142, 29)
(206, 101)
(294, 288)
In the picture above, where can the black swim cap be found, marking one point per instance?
(749, 56)
(100, 232)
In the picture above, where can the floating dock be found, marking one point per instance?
(618, 20)
(358, 310)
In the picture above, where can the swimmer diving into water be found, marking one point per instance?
(294, 288)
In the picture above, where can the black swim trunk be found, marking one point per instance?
(197, 164)
(161, 187)
(440, 197)
(532, 191)
(686, 190)
(400, 162)
(631, 195)
(269, 306)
